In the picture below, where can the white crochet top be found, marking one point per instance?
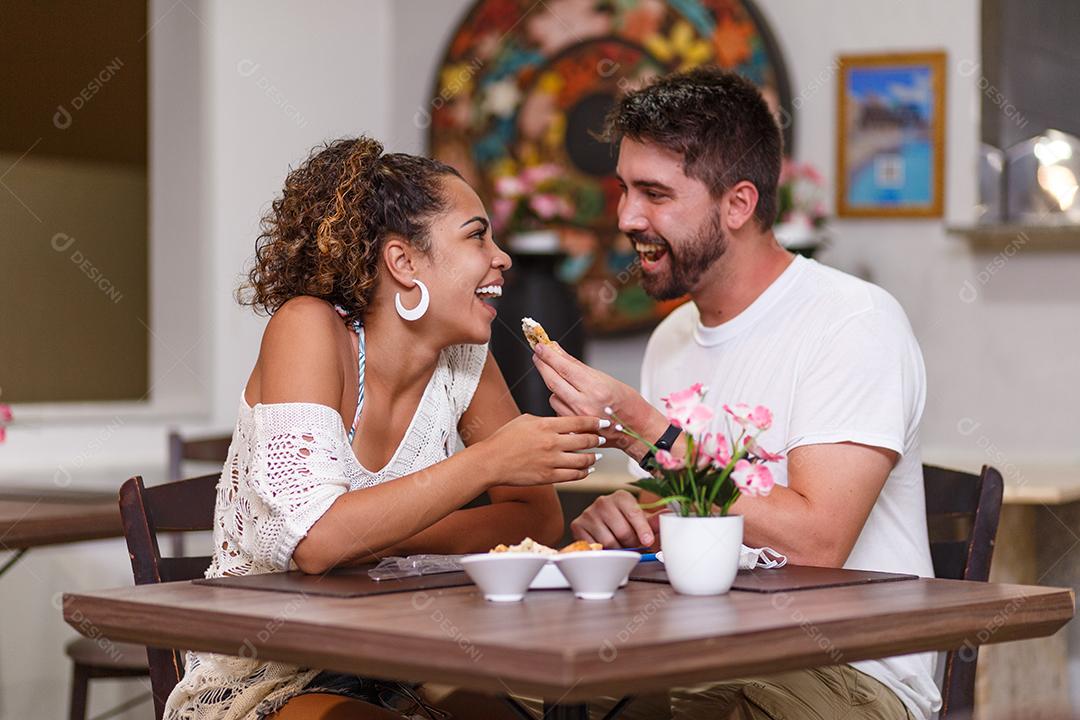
(287, 464)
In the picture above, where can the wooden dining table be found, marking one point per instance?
(565, 650)
(33, 517)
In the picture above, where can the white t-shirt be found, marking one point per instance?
(835, 360)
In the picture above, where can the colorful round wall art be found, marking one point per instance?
(526, 84)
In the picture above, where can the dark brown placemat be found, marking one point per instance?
(344, 583)
(784, 579)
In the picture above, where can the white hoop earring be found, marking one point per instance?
(421, 308)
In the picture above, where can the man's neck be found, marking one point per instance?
(750, 265)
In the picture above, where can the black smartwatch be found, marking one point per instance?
(666, 442)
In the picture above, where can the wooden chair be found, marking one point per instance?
(93, 659)
(121, 660)
(213, 449)
(182, 506)
(209, 449)
(962, 512)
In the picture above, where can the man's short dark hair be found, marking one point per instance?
(720, 124)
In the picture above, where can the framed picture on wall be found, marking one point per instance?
(891, 135)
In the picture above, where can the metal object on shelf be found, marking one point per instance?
(990, 210)
(1043, 176)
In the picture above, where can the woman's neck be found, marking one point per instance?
(398, 356)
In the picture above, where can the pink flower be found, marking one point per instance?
(752, 479)
(685, 409)
(566, 209)
(3, 433)
(545, 205)
(537, 174)
(714, 449)
(669, 461)
(504, 209)
(5, 413)
(509, 187)
(753, 447)
(759, 417)
(788, 169)
(810, 172)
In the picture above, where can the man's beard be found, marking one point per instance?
(686, 266)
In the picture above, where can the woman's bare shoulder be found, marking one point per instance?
(300, 359)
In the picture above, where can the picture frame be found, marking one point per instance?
(890, 146)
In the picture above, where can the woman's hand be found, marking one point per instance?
(578, 389)
(532, 450)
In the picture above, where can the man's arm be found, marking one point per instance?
(816, 520)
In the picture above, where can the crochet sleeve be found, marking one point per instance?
(296, 475)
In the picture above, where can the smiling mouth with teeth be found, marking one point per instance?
(651, 252)
(489, 291)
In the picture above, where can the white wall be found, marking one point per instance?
(1004, 358)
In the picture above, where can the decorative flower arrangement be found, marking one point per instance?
(801, 195)
(5, 420)
(534, 198)
(717, 468)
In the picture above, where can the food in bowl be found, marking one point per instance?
(549, 577)
(528, 545)
(580, 546)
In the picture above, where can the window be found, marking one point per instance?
(73, 202)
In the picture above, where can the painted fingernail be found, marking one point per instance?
(603, 440)
(592, 470)
(599, 456)
(608, 410)
(605, 424)
(618, 428)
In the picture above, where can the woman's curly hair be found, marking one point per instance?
(323, 236)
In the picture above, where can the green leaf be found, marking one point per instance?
(653, 485)
(664, 501)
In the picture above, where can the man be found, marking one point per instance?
(832, 356)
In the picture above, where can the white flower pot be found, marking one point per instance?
(701, 555)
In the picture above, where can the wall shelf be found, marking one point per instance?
(1045, 237)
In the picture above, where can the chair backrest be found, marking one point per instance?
(209, 449)
(182, 506)
(962, 513)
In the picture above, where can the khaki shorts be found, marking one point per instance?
(838, 692)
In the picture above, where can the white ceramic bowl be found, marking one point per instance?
(549, 578)
(596, 574)
(503, 577)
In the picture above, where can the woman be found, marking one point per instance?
(376, 270)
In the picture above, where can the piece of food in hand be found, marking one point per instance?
(528, 545)
(581, 546)
(534, 333)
